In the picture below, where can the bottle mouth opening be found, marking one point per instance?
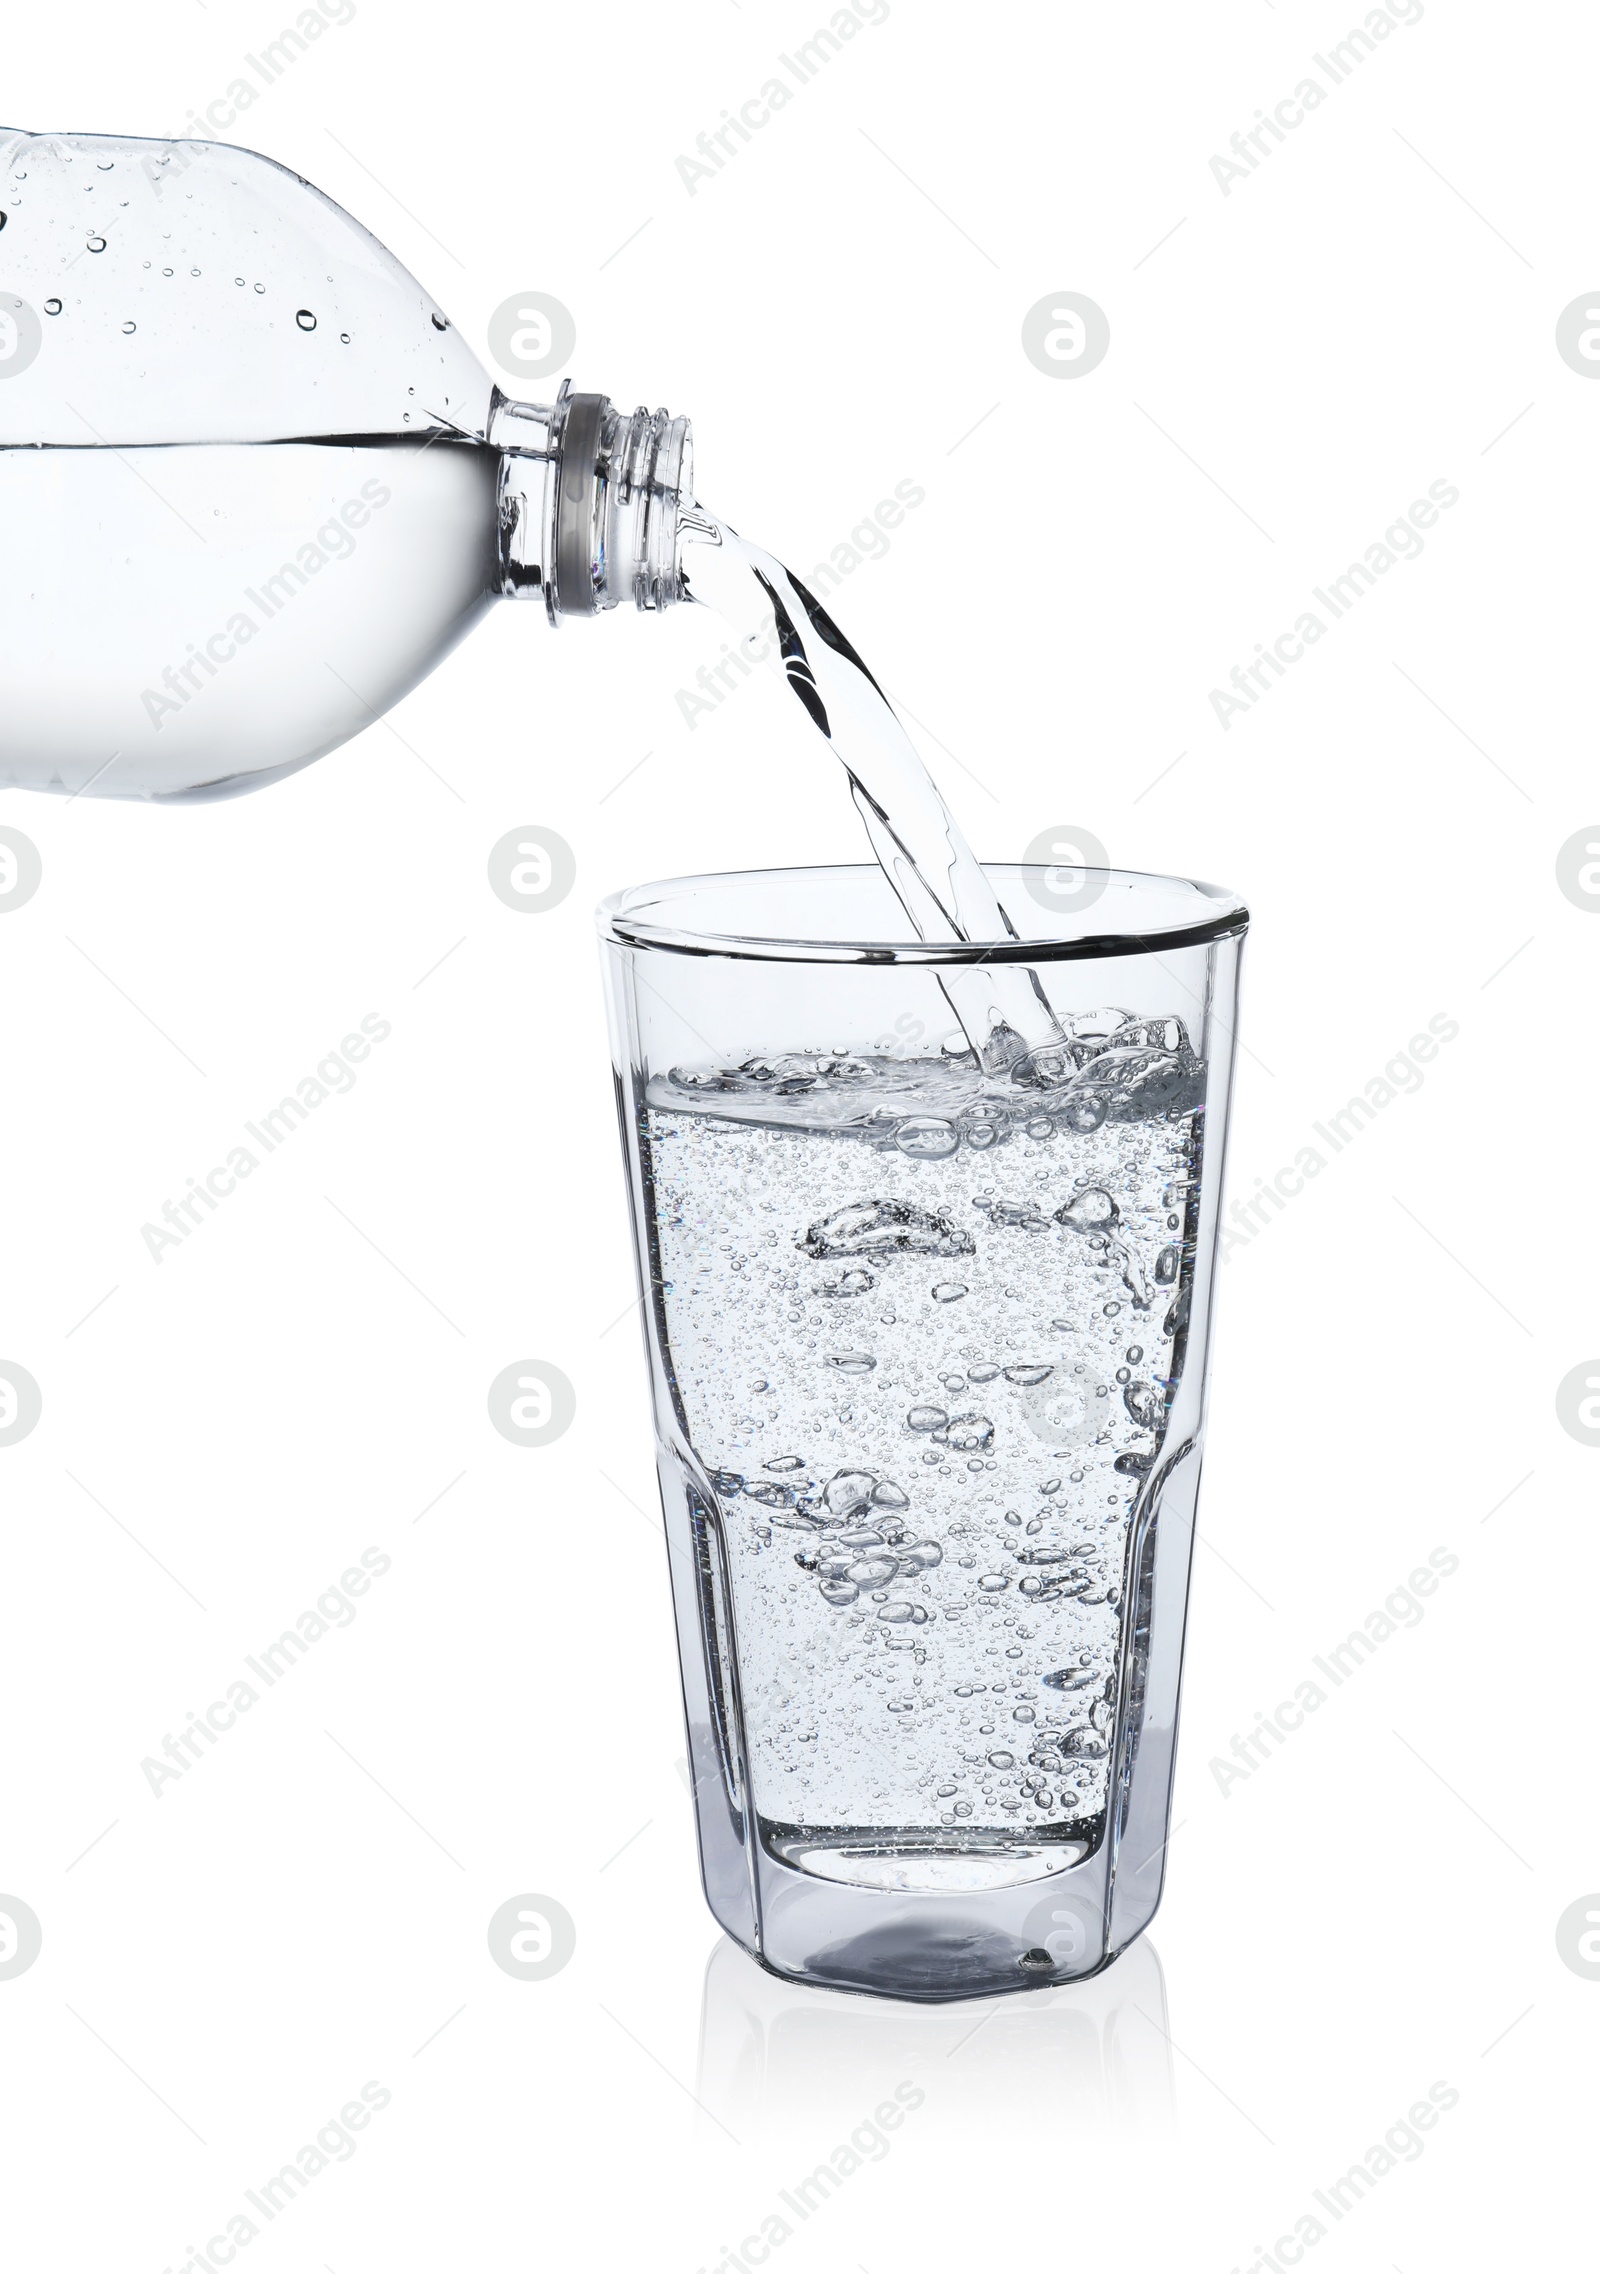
(619, 481)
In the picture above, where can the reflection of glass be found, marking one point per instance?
(928, 1343)
(783, 2060)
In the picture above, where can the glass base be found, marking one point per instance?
(930, 1863)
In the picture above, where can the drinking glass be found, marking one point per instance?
(928, 1336)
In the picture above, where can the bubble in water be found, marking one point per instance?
(304, 318)
(983, 1371)
(948, 1291)
(872, 1571)
(1013, 1215)
(1002, 1760)
(1091, 1210)
(1144, 1404)
(919, 1555)
(52, 307)
(985, 1129)
(1167, 1265)
(888, 1495)
(848, 1493)
(994, 1582)
(884, 1228)
(853, 1361)
(97, 244)
(130, 327)
(1133, 1278)
(1135, 1353)
(1028, 1377)
(783, 1462)
(926, 1138)
(903, 1614)
(838, 1592)
(967, 1433)
(926, 1417)
(850, 1283)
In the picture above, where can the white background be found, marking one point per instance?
(1372, 1910)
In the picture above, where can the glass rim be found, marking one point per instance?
(625, 919)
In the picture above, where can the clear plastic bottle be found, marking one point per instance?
(254, 483)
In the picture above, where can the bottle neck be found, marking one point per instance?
(589, 499)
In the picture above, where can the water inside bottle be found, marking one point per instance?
(179, 620)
